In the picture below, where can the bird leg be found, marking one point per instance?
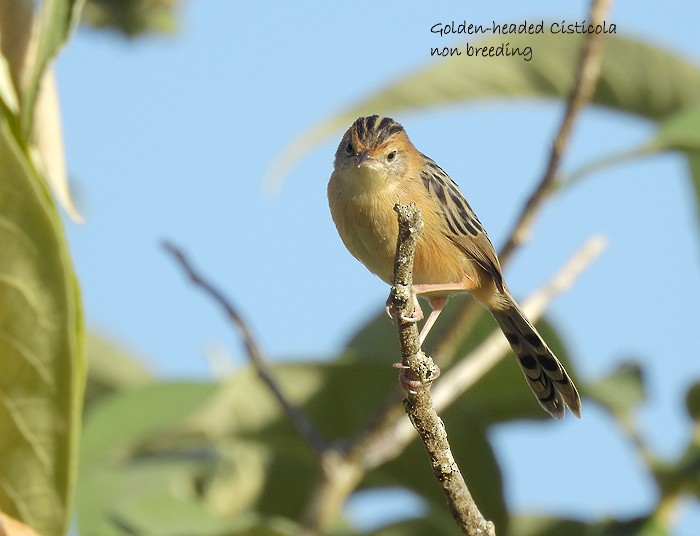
(437, 304)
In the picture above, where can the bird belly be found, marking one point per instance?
(367, 224)
(369, 232)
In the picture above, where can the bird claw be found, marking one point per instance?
(409, 380)
(415, 316)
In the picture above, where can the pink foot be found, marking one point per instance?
(416, 315)
(409, 380)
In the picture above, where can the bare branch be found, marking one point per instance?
(587, 77)
(298, 419)
(418, 404)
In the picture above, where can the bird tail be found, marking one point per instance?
(544, 373)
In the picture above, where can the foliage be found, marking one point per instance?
(220, 459)
(41, 356)
(132, 18)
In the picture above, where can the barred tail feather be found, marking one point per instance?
(544, 373)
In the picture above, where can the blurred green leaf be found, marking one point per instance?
(476, 460)
(120, 425)
(109, 488)
(41, 346)
(694, 168)
(169, 515)
(323, 389)
(435, 524)
(8, 94)
(680, 131)
(111, 369)
(636, 78)
(240, 476)
(533, 525)
(692, 401)
(338, 398)
(375, 341)
(639, 526)
(132, 18)
(621, 391)
(683, 475)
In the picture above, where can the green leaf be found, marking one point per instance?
(680, 131)
(694, 167)
(120, 425)
(533, 525)
(374, 342)
(621, 391)
(41, 347)
(636, 77)
(638, 526)
(56, 20)
(169, 515)
(106, 489)
(111, 369)
(8, 95)
(692, 401)
(435, 524)
(475, 458)
(132, 18)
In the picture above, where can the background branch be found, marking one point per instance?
(587, 76)
(298, 419)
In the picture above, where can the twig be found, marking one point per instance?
(418, 404)
(298, 419)
(389, 439)
(587, 77)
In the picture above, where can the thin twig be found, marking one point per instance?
(587, 76)
(298, 419)
(418, 403)
(391, 437)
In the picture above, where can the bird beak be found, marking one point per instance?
(363, 157)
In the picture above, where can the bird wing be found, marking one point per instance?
(462, 226)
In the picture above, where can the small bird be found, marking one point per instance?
(376, 166)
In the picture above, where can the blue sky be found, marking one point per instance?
(171, 137)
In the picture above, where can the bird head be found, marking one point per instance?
(374, 148)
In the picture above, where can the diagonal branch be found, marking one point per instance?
(418, 404)
(298, 419)
(587, 77)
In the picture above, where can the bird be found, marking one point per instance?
(376, 165)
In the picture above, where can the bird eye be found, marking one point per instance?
(349, 149)
(391, 156)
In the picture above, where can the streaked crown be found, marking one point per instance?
(370, 132)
